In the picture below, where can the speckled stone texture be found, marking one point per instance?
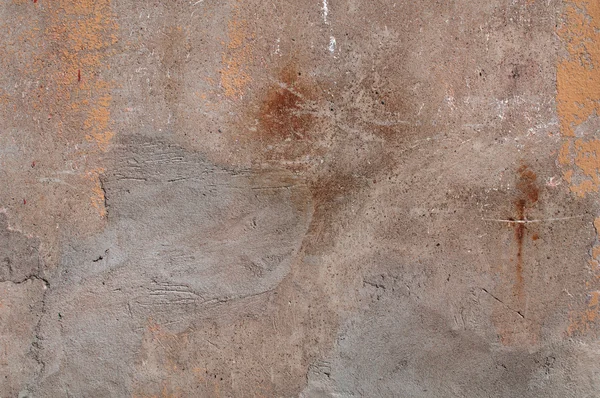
(324, 198)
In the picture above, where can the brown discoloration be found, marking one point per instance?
(528, 196)
(238, 52)
(519, 235)
(285, 112)
(515, 322)
(577, 95)
(527, 184)
(280, 125)
(584, 319)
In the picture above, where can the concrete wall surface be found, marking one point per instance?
(299, 198)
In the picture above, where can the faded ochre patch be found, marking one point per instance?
(577, 102)
(237, 54)
(76, 94)
(578, 94)
(581, 321)
(97, 198)
(55, 105)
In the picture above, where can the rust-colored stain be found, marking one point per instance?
(62, 48)
(513, 323)
(529, 194)
(582, 322)
(97, 197)
(578, 75)
(85, 32)
(285, 113)
(280, 125)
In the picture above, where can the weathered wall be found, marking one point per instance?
(325, 198)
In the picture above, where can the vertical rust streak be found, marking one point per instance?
(519, 236)
(528, 196)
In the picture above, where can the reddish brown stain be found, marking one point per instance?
(535, 237)
(527, 184)
(285, 112)
(528, 196)
(280, 126)
(79, 75)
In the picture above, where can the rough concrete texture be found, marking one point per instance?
(324, 198)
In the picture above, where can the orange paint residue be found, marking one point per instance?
(581, 321)
(578, 75)
(578, 94)
(238, 52)
(97, 198)
(577, 101)
(74, 91)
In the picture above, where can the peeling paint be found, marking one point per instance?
(578, 94)
(582, 321)
(578, 102)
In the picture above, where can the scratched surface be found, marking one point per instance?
(325, 198)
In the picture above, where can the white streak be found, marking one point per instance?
(325, 11)
(332, 44)
(526, 221)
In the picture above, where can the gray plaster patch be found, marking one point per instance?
(183, 236)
